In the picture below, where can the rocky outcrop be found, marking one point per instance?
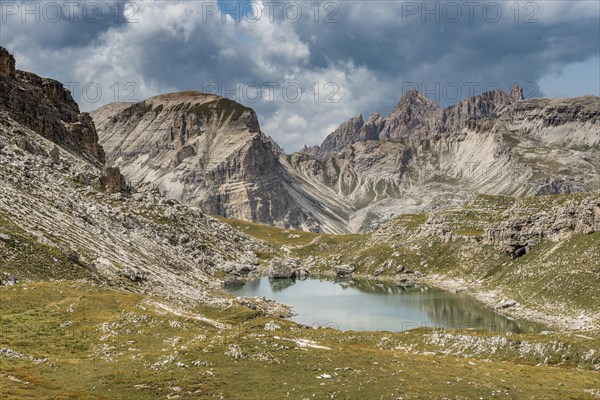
(561, 122)
(282, 269)
(487, 105)
(7, 64)
(517, 235)
(345, 270)
(204, 150)
(413, 115)
(112, 181)
(138, 239)
(47, 107)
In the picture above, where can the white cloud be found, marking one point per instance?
(368, 56)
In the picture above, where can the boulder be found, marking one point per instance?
(9, 280)
(272, 326)
(103, 266)
(345, 269)
(282, 269)
(55, 155)
(112, 180)
(303, 274)
(232, 283)
(135, 275)
(238, 269)
(506, 304)
(73, 256)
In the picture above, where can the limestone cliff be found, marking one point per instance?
(204, 150)
(46, 107)
(209, 151)
(518, 234)
(417, 116)
(421, 157)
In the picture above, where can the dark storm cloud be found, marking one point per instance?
(484, 50)
(372, 51)
(63, 23)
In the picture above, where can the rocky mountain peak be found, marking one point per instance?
(409, 117)
(201, 149)
(517, 93)
(7, 64)
(414, 98)
(47, 107)
(373, 118)
(347, 133)
(309, 150)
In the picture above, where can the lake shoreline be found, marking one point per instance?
(488, 299)
(387, 305)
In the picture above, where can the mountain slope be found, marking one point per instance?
(208, 151)
(424, 157)
(204, 150)
(64, 216)
(46, 107)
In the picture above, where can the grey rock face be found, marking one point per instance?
(7, 64)
(112, 180)
(46, 107)
(282, 269)
(347, 133)
(517, 235)
(413, 115)
(204, 150)
(345, 270)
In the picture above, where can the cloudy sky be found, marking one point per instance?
(306, 66)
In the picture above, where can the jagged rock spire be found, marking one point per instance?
(47, 107)
(347, 133)
(517, 93)
(7, 64)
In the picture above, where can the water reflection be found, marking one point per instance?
(353, 304)
(278, 285)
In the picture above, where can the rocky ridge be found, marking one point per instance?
(65, 215)
(417, 116)
(203, 150)
(47, 107)
(136, 239)
(209, 151)
(496, 143)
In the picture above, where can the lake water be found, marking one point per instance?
(363, 305)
